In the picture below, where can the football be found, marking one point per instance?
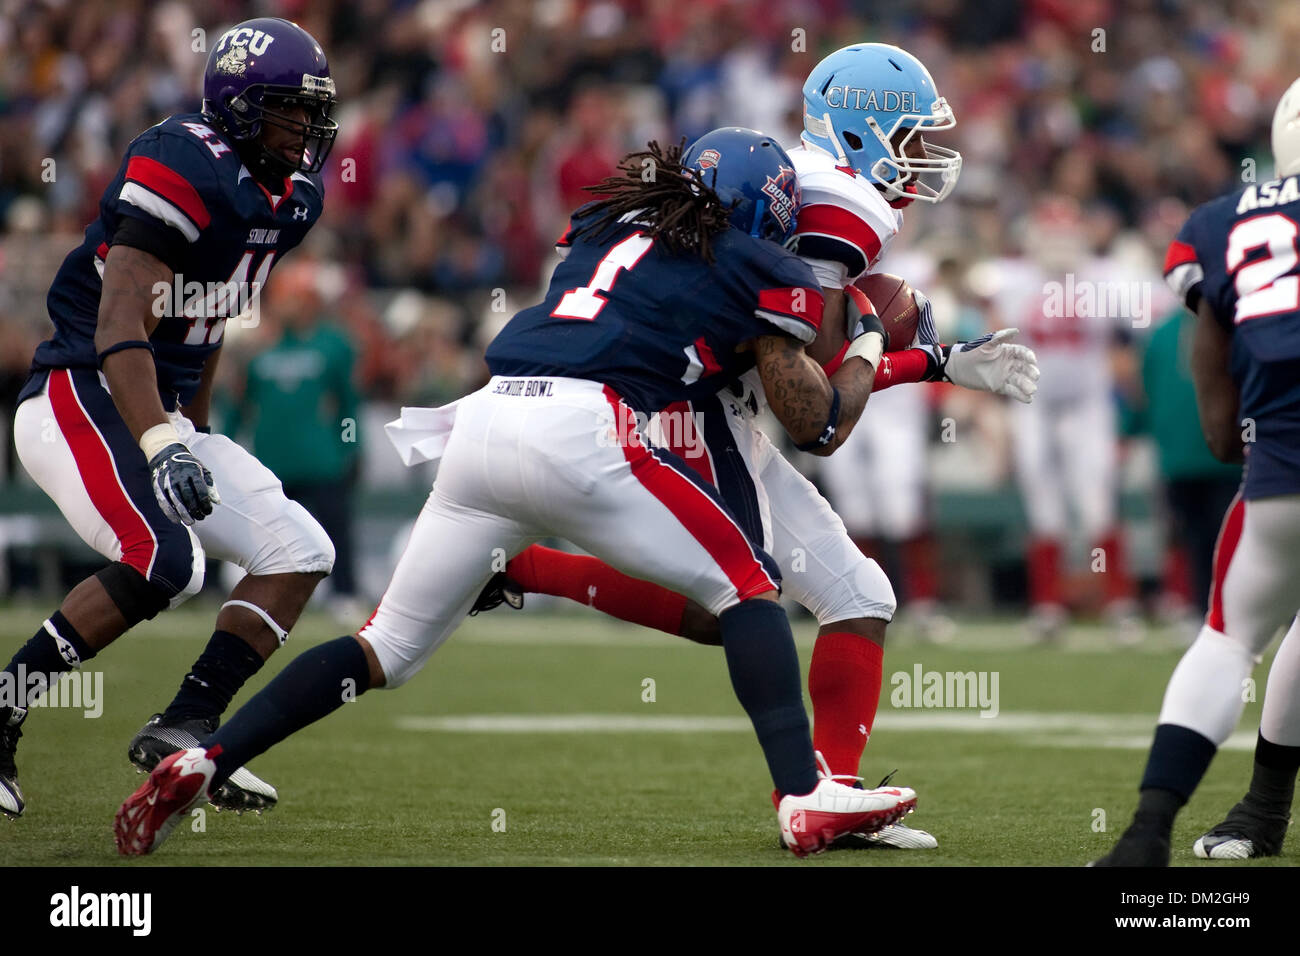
(895, 304)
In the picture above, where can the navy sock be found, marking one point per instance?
(765, 674)
(1179, 758)
(224, 666)
(45, 654)
(1157, 808)
(315, 683)
(1273, 782)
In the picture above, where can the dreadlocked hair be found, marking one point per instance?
(682, 212)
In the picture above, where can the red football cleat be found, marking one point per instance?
(147, 817)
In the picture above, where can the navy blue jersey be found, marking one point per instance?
(218, 228)
(1239, 253)
(658, 328)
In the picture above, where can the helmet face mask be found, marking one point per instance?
(265, 76)
(859, 98)
(275, 109)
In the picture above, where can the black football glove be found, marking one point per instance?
(183, 487)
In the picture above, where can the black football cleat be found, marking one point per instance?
(500, 589)
(11, 795)
(1141, 845)
(1248, 831)
(243, 790)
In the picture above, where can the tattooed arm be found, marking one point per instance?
(126, 314)
(800, 394)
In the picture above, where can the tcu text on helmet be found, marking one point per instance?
(256, 41)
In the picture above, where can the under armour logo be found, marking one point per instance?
(66, 650)
(300, 212)
(862, 729)
(591, 594)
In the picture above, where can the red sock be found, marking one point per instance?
(1118, 583)
(1177, 574)
(921, 581)
(1045, 572)
(591, 581)
(844, 684)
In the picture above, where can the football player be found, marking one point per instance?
(113, 421)
(863, 157)
(672, 284)
(1235, 263)
(1065, 445)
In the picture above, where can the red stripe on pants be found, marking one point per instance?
(99, 474)
(698, 513)
(1229, 536)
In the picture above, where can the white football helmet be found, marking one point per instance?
(1286, 133)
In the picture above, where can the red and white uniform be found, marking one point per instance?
(1065, 442)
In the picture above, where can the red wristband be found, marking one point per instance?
(898, 368)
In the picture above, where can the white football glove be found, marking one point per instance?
(991, 363)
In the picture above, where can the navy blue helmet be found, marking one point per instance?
(751, 172)
(257, 72)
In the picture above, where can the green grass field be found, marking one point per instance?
(537, 722)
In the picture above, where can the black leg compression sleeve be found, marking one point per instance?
(135, 597)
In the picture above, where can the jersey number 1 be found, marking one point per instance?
(585, 302)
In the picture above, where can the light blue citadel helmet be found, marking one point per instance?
(856, 99)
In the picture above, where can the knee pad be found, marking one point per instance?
(303, 548)
(137, 598)
(864, 591)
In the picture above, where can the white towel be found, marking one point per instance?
(421, 434)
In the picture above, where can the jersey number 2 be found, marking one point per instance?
(1264, 287)
(585, 302)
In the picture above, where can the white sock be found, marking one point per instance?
(1280, 721)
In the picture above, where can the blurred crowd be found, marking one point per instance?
(1088, 128)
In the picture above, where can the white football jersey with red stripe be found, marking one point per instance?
(843, 218)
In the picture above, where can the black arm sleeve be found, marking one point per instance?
(164, 243)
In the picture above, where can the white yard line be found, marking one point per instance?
(1038, 729)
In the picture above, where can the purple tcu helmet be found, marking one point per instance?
(257, 71)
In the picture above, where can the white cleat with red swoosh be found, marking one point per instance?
(810, 823)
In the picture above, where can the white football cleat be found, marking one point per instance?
(179, 782)
(812, 822)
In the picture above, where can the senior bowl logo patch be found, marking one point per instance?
(233, 61)
(783, 192)
(709, 159)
